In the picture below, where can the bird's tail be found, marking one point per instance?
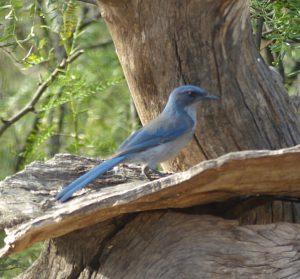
(88, 177)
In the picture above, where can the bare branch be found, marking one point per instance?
(90, 21)
(100, 45)
(259, 28)
(30, 107)
(92, 2)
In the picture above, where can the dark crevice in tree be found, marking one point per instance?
(181, 78)
(103, 252)
(259, 29)
(201, 148)
(253, 116)
(240, 207)
(217, 66)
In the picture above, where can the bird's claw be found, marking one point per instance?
(153, 174)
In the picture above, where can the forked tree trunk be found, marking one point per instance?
(162, 44)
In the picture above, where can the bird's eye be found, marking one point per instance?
(191, 93)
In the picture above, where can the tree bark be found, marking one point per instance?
(162, 44)
(172, 245)
(215, 187)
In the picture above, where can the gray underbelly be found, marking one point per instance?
(160, 153)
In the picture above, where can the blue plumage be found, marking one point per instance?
(159, 140)
(88, 177)
(159, 131)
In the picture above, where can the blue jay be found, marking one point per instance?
(158, 141)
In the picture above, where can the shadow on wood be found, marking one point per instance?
(30, 213)
(164, 244)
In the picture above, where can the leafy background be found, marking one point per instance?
(87, 109)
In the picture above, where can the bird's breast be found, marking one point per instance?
(191, 111)
(162, 152)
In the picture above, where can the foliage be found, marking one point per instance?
(12, 266)
(282, 21)
(37, 35)
(85, 110)
(280, 33)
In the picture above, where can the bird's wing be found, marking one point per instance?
(158, 131)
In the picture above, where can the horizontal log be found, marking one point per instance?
(30, 213)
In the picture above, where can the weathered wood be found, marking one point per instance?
(161, 44)
(70, 256)
(171, 245)
(30, 215)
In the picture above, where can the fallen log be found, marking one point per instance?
(30, 213)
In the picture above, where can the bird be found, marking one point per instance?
(159, 140)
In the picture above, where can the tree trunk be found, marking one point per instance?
(172, 245)
(162, 44)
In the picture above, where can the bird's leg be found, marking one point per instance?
(147, 172)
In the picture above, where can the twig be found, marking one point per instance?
(280, 66)
(10, 55)
(90, 21)
(100, 45)
(30, 107)
(55, 139)
(92, 2)
(7, 45)
(21, 157)
(259, 28)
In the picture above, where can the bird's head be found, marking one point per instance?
(188, 95)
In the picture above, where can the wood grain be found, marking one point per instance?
(171, 245)
(30, 213)
(163, 44)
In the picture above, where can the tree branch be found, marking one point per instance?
(259, 28)
(30, 107)
(100, 45)
(89, 21)
(92, 2)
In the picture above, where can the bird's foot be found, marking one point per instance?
(153, 174)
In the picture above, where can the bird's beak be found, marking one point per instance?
(212, 97)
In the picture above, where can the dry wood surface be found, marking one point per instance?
(30, 213)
